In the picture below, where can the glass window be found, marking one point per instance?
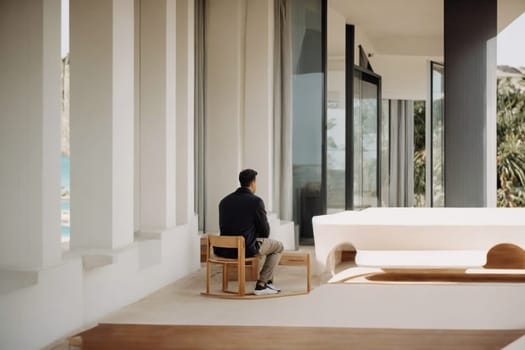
(438, 134)
(365, 141)
(385, 153)
(307, 113)
(336, 115)
(335, 144)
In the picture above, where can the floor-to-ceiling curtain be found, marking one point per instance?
(401, 153)
(282, 111)
(200, 36)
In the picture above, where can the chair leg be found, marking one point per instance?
(241, 276)
(308, 287)
(255, 270)
(208, 273)
(224, 277)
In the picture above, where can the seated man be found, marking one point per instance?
(243, 213)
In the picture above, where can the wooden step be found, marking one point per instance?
(163, 337)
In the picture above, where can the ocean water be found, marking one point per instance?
(64, 174)
(65, 228)
(65, 207)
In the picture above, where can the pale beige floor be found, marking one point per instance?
(182, 303)
(415, 306)
(358, 305)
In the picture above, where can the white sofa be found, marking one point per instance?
(423, 230)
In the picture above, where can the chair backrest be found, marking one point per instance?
(226, 242)
(232, 242)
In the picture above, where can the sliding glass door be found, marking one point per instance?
(366, 136)
(437, 119)
(308, 113)
(336, 114)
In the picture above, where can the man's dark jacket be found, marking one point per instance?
(242, 213)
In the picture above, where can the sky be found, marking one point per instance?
(511, 44)
(511, 40)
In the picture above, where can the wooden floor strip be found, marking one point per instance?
(431, 275)
(161, 337)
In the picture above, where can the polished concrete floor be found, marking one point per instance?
(357, 305)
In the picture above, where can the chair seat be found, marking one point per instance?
(221, 260)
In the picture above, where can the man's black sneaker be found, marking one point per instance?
(270, 285)
(264, 290)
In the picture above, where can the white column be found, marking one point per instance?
(136, 198)
(239, 106)
(258, 110)
(191, 109)
(102, 123)
(157, 114)
(185, 107)
(491, 168)
(29, 134)
(224, 98)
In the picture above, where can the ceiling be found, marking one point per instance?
(409, 26)
(383, 18)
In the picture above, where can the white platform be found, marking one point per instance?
(465, 233)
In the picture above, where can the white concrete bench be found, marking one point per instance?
(466, 233)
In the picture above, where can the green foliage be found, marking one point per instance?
(419, 177)
(511, 142)
(510, 139)
(419, 125)
(419, 153)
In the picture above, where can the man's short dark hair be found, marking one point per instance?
(246, 177)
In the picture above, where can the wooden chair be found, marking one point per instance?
(236, 242)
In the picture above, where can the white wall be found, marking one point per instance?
(239, 127)
(224, 98)
(67, 298)
(258, 93)
(361, 38)
(45, 294)
(35, 316)
(403, 77)
(336, 33)
(239, 105)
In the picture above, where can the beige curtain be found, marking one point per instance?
(283, 110)
(401, 153)
(200, 64)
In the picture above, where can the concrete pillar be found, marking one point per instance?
(185, 108)
(258, 110)
(136, 106)
(470, 103)
(224, 95)
(157, 114)
(239, 129)
(102, 89)
(29, 134)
